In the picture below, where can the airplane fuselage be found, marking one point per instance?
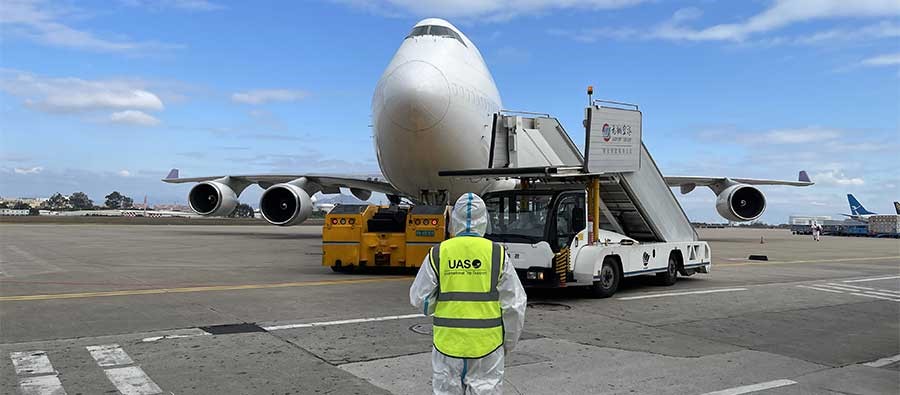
(432, 110)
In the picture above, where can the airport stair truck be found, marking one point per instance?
(585, 220)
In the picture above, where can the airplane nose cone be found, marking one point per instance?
(416, 96)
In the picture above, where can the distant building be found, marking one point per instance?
(31, 201)
(8, 212)
(802, 224)
(807, 219)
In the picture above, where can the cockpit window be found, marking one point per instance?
(432, 30)
(418, 31)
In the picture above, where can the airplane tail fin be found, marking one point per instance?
(172, 174)
(856, 207)
(803, 176)
(897, 207)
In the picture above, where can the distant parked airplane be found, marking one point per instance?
(858, 212)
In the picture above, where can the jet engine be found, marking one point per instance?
(285, 204)
(740, 202)
(212, 198)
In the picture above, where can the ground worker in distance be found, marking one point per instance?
(477, 301)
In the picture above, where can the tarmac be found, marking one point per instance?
(213, 309)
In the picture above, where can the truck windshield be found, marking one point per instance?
(517, 217)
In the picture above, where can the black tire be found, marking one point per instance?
(342, 269)
(670, 276)
(608, 283)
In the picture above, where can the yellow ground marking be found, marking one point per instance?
(129, 292)
(757, 263)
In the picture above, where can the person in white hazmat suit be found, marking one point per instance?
(478, 309)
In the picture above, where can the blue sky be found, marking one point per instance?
(101, 96)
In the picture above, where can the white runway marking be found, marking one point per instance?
(109, 355)
(862, 280)
(660, 295)
(753, 387)
(40, 377)
(876, 297)
(837, 286)
(890, 295)
(31, 363)
(885, 294)
(41, 385)
(820, 289)
(854, 286)
(342, 322)
(129, 380)
(883, 361)
(867, 289)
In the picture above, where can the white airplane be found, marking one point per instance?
(433, 110)
(859, 213)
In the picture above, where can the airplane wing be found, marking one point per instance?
(675, 181)
(325, 183)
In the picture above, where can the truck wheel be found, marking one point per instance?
(670, 276)
(608, 282)
(342, 268)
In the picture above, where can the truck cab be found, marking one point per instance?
(535, 226)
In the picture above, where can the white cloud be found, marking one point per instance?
(879, 30)
(883, 60)
(780, 14)
(675, 29)
(782, 136)
(591, 35)
(491, 10)
(261, 96)
(799, 136)
(42, 22)
(133, 117)
(835, 177)
(78, 95)
(187, 5)
(28, 170)
(123, 173)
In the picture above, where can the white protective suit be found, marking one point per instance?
(472, 376)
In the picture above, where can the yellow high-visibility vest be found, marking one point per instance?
(467, 319)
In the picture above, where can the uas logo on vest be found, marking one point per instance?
(465, 264)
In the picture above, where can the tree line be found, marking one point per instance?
(81, 201)
(114, 201)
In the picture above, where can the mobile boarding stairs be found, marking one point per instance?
(640, 220)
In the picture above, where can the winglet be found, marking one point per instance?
(804, 177)
(173, 174)
(897, 207)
